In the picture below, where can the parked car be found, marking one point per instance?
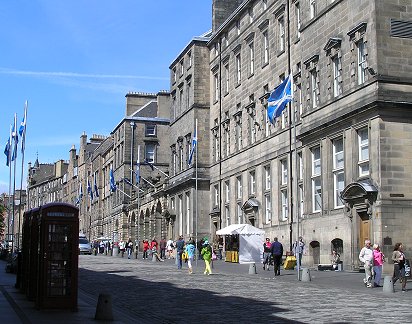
(84, 245)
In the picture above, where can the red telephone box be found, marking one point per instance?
(58, 256)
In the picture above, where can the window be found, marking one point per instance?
(216, 145)
(181, 156)
(361, 61)
(150, 130)
(188, 86)
(216, 87)
(239, 192)
(182, 67)
(251, 15)
(268, 209)
(187, 212)
(252, 183)
(189, 59)
(172, 203)
(252, 58)
(284, 202)
(314, 87)
(174, 160)
(338, 171)
(227, 191)
(316, 180)
(301, 200)
(238, 69)
(265, 47)
(363, 142)
(174, 74)
(227, 215)
(239, 213)
(181, 99)
(238, 27)
(337, 75)
(300, 166)
(238, 130)
(150, 150)
(265, 4)
(267, 178)
(298, 19)
(216, 195)
(312, 8)
(284, 171)
(281, 24)
(226, 68)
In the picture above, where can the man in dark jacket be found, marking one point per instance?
(277, 251)
(180, 244)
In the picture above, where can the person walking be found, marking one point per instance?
(378, 260)
(169, 247)
(277, 252)
(122, 247)
(366, 257)
(162, 247)
(190, 250)
(207, 257)
(180, 244)
(266, 253)
(297, 249)
(335, 260)
(398, 258)
(129, 248)
(145, 248)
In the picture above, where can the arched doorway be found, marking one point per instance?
(314, 251)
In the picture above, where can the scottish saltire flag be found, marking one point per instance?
(22, 129)
(192, 151)
(89, 189)
(7, 149)
(113, 187)
(15, 137)
(279, 98)
(96, 189)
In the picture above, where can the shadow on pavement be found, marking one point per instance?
(163, 302)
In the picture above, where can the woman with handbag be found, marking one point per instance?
(398, 258)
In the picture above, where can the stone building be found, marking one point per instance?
(334, 167)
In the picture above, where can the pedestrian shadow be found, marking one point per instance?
(164, 302)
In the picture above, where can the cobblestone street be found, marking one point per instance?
(148, 292)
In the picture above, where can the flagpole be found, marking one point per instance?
(23, 147)
(138, 201)
(14, 193)
(9, 202)
(196, 189)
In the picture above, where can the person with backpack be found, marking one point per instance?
(207, 257)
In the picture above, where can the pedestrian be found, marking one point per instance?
(335, 260)
(155, 254)
(266, 253)
(276, 250)
(145, 248)
(366, 257)
(298, 248)
(399, 259)
(190, 250)
(95, 247)
(220, 248)
(122, 247)
(162, 247)
(169, 247)
(179, 250)
(378, 260)
(207, 256)
(129, 247)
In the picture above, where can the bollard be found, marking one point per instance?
(388, 285)
(252, 268)
(305, 275)
(104, 308)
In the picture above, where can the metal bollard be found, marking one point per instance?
(252, 268)
(104, 308)
(305, 275)
(388, 285)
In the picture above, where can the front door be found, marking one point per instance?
(364, 231)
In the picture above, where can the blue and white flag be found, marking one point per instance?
(15, 137)
(79, 198)
(89, 189)
(279, 98)
(96, 189)
(7, 149)
(113, 186)
(193, 149)
(22, 129)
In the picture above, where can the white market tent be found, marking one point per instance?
(250, 241)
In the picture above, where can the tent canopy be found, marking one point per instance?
(240, 229)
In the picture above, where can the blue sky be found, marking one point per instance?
(74, 61)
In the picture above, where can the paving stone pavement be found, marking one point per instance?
(156, 292)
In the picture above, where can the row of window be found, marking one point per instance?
(338, 172)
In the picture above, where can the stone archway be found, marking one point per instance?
(314, 251)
